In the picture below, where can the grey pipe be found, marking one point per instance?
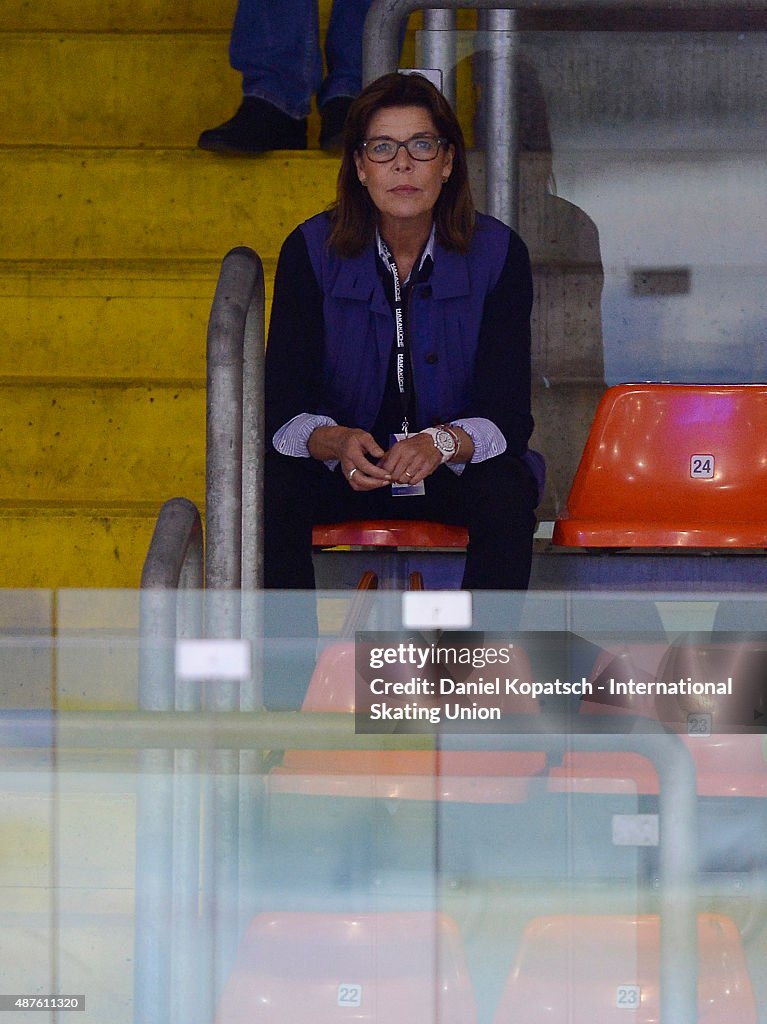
(501, 165)
(174, 559)
(232, 320)
(678, 853)
(175, 551)
(253, 449)
(380, 54)
(438, 49)
(380, 49)
(235, 445)
(253, 437)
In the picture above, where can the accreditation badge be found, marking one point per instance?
(405, 490)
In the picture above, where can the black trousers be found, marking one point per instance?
(494, 499)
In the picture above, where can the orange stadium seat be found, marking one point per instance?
(406, 533)
(672, 465)
(606, 969)
(315, 968)
(482, 777)
(727, 763)
(390, 535)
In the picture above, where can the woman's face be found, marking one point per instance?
(404, 190)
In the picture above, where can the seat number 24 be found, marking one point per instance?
(702, 466)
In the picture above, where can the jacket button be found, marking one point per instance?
(426, 291)
(431, 358)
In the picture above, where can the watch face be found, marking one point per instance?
(445, 441)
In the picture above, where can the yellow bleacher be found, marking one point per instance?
(112, 235)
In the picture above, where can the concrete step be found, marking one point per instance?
(73, 545)
(159, 204)
(122, 15)
(139, 319)
(97, 443)
(118, 89)
(117, 15)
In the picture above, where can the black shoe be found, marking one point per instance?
(333, 116)
(257, 127)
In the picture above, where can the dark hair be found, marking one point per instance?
(354, 215)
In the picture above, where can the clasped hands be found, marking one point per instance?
(407, 462)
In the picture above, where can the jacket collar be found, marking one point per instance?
(359, 280)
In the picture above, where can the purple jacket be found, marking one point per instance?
(445, 318)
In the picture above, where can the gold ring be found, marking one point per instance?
(352, 472)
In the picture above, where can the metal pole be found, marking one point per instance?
(253, 437)
(253, 451)
(175, 551)
(501, 151)
(252, 691)
(438, 48)
(678, 830)
(224, 445)
(186, 989)
(175, 554)
(678, 873)
(235, 351)
(380, 51)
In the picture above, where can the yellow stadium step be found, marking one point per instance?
(160, 204)
(116, 15)
(124, 15)
(139, 319)
(104, 78)
(72, 545)
(118, 89)
(110, 253)
(103, 358)
(101, 442)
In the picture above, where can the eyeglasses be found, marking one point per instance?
(420, 147)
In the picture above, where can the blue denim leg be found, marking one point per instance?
(275, 45)
(343, 50)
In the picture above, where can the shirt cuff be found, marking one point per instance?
(486, 437)
(293, 437)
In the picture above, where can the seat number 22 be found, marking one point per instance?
(349, 995)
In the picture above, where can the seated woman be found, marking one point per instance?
(398, 360)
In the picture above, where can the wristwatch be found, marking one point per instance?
(445, 441)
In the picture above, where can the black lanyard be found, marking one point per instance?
(403, 367)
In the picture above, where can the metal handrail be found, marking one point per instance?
(234, 449)
(168, 808)
(170, 606)
(380, 41)
(174, 562)
(380, 48)
(235, 431)
(380, 54)
(175, 556)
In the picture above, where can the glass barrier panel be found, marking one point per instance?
(438, 803)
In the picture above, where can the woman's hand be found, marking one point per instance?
(351, 446)
(410, 461)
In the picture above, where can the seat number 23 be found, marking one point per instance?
(628, 997)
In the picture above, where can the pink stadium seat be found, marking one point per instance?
(606, 970)
(672, 465)
(313, 968)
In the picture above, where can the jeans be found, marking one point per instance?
(275, 44)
